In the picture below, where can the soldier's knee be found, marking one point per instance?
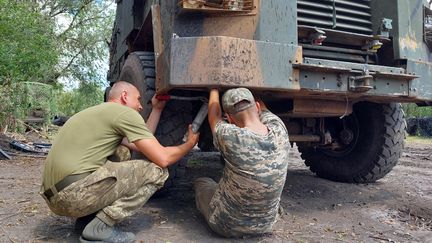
(203, 181)
(160, 175)
(122, 153)
(164, 175)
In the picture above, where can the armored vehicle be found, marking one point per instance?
(335, 71)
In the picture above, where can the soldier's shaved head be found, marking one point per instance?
(126, 94)
(118, 88)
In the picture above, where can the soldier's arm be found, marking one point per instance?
(267, 116)
(152, 121)
(131, 146)
(154, 117)
(214, 110)
(166, 156)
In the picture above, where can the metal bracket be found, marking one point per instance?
(385, 27)
(372, 45)
(360, 83)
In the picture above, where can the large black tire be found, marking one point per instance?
(379, 133)
(139, 69)
(205, 142)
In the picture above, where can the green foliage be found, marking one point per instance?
(17, 100)
(71, 102)
(28, 49)
(10, 106)
(52, 42)
(41, 97)
(28, 57)
(412, 110)
(84, 28)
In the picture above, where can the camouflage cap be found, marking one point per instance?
(232, 98)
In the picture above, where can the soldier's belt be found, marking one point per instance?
(64, 183)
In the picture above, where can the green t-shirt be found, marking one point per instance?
(89, 137)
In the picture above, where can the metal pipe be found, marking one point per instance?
(304, 138)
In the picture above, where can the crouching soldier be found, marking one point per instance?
(78, 178)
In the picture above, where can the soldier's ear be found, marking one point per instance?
(229, 118)
(123, 96)
(258, 106)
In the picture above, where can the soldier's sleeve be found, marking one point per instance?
(221, 130)
(268, 118)
(132, 125)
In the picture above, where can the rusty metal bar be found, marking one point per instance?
(304, 138)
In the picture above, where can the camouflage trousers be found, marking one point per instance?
(205, 189)
(116, 190)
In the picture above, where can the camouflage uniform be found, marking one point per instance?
(117, 189)
(246, 199)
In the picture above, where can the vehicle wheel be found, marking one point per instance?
(375, 145)
(205, 142)
(139, 69)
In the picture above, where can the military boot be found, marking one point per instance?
(82, 222)
(99, 231)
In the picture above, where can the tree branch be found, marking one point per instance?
(81, 8)
(61, 11)
(71, 61)
(87, 20)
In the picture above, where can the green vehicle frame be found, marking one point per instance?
(335, 71)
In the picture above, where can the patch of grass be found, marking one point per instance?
(417, 139)
(412, 110)
(194, 162)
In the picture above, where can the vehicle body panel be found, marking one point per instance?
(267, 48)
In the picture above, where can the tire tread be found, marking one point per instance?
(385, 159)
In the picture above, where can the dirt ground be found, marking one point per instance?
(398, 208)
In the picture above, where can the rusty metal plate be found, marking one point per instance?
(320, 108)
(231, 62)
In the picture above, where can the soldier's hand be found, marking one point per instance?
(192, 137)
(213, 90)
(157, 104)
